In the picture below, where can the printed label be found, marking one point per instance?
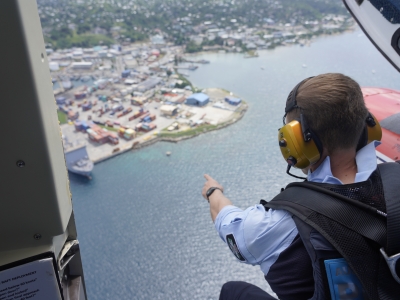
(230, 239)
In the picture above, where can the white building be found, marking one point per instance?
(82, 65)
(54, 66)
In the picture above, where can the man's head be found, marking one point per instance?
(334, 108)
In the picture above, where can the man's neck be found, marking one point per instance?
(343, 165)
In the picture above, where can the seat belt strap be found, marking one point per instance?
(391, 187)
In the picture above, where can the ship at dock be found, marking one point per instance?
(77, 159)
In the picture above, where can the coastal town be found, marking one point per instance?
(114, 97)
(113, 102)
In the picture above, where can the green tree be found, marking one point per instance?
(83, 28)
(192, 47)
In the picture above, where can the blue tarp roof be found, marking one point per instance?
(200, 97)
(233, 100)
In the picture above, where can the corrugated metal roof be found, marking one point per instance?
(201, 97)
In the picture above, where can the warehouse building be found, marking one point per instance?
(198, 99)
(169, 110)
(148, 84)
(233, 101)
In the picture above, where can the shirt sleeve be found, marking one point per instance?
(256, 236)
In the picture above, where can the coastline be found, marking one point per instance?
(178, 136)
(314, 37)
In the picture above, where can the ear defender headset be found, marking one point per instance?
(301, 147)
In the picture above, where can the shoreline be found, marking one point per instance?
(314, 37)
(238, 115)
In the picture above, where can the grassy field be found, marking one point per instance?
(62, 117)
(109, 128)
(189, 132)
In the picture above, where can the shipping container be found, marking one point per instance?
(80, 95)
(117, 107)
(73, 115)
(61, 100)
(102, 98)
(87, 106)
(138, 127)
(121, 131)
(129, 134)
(128, 110)
(78, 125)
(148, 127)
(144, 116)
(113, 139)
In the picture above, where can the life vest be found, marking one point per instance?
(352, 222)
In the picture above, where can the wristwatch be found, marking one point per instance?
(210, 191)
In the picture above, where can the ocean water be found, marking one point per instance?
(145, 230)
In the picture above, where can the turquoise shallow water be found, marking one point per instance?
(144, 229)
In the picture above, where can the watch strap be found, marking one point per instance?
(210, 191)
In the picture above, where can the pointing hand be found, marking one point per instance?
(210, 182)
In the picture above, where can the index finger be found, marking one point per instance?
(208, 177)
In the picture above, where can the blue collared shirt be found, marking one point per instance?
(260, 235)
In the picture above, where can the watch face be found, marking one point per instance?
(210, 191)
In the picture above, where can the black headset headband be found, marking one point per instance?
(291, 101)
(291, 104)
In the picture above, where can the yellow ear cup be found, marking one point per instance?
(295, 150)
(374, 132)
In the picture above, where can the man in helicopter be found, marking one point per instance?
(330, 135)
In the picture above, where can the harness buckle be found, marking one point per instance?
(391, 262)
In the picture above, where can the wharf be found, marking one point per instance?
(210, 117)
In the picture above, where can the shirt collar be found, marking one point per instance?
(365, 160)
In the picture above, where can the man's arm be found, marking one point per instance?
(217, 199)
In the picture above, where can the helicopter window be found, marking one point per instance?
(392, 123)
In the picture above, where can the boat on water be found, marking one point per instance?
(85, 78)
(77, 159)
(75, 77)
(384, 104)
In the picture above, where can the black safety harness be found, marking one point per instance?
(368, 238)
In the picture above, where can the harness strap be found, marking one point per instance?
(302, 199)
(391, 188)
(304, 203)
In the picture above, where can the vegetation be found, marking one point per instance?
(192, 47)
(184, 83)
(75, 23)
(83, 40)
(190, 132)
(109, 128)
(62, 117)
